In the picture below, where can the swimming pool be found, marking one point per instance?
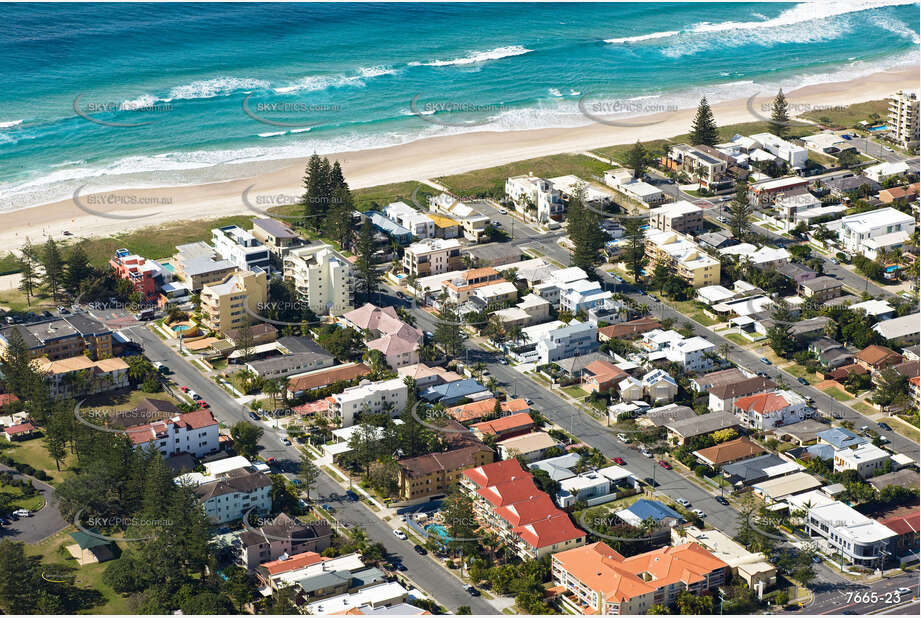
(180, 328)
(876, 129)
(439, 530)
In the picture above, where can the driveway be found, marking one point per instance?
(40, 525)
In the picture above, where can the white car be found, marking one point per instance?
(699, 513)
(647, 454)
(22, 513)
(399, 534)
(503, 211)
(904, 590)
(286, 441)
(683, 502)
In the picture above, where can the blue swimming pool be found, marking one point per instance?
(439, 530)
(876, 129)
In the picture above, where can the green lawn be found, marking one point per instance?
(16, 301)
(902, 427)
(574, 391)
(491, 181)
(850, 115)
(18, 501)
(801, 372)
(838, 394)
(34, 453)
(864, 408)
(53, 554)
(126, 399)
(737, 339)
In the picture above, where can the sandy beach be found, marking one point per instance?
(414, 161)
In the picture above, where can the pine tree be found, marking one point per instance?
(314, 192)
(53, 264)
(740, 212)
(447, 332)
(27, 267)
(76, 270)
(780, 118)
(584, 232)
(368, 277)
(636, 159)
(635, 251)
(703, 129)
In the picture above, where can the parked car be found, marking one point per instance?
(623, 438)
(620, 461)
(472, 591)
(328, 508)
(765, 360)
(817, 560)
(699, 513)
(722, 500)
(502, 361)
(22, 513)
(203, 404)
(503, 211)
(646, 454)
(665, 464)
(254, 416)
(184, 389)
(904, 590)
(399, 534)
(885, 426)
(286, 441)
(803, 381)
(683, 502)
(351, 495)
(528, 401)
(194, 395)
(419, 550)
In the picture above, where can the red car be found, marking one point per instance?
(185, 389)
(665, 465)
(203, 404)
(619, 461)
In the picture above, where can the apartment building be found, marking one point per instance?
(535, 197)
(239, 246)
(583, 295)
(61, 338)
(78, 376)
(145, 276)
(419, 225)
(682, 217)
(224, 305)
(322, 279)
(622, 180)
(459, 289)
(196, 433)
(436, 473)
(532, 309)
(723, 396)
(903, 118)
(820, 289)
(283, 536)
(230, 496)
(432, 256)
(574, 339)
(506, 501)
(858, 539)
(683, 256)
(704, 168)
(369, 397)
(764, 411)
(886, 225)
(766, 192)
(598, 580)
(276, 236)
(197, 266)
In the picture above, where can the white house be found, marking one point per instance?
(866, 459)
(574, 339)
(763, 411)
(882, 172)
(794, 156)
(321, 279)
(622, 180)
(853, 536)
(693, 354)
(416, 222)
(195, 433)
(856, 230)
(539, 193)
(239, 246)
(583, 295)
(369, 397)
(233, 493)
(659, 386)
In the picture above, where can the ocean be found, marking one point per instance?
(104, 96)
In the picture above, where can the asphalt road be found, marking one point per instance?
(43, 523)
(427, 574)
(834, 594)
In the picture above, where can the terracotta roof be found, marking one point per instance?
(313, 407)
(906, 523)
(151, 431)
(533, 508)
(297, 561)
(393, 344)
(762, 403)
(509, 492)
(505, 423)
(633, 327)
(8, 398)
(325, 377)
(876, 355)
(20, 428)
(846, 370)
(478, 409)
(497, 472)
(551, 530)
(604, 371)
(728, 452)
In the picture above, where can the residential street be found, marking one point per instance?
(434, 579)
(41, 524)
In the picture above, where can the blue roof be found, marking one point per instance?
(646, 509)
(386, 225)
(841, 438)
(453, 391)
(822, 451)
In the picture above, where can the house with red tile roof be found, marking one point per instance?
(8, 399)
(876, 357)
(195, 433)
(507, 502)
(23, 431)
(595, 579)
(398, 341)
(476, 410)
(505, 427)
(601, 376)
(906, 523)
(312, 380)
(768, 410)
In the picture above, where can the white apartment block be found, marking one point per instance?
(583, 295)
(853, 536)
(239, 246)
(195, 433)
(230, 496)
(622, 180)
(866, 459)
(694, 354)
(537, 192)
(681, 216)
(903, 118)
(574, 339)
(432, 256)
(321, 278)
(794, 156)
(369, 397)
(856, 230)
(403, 214)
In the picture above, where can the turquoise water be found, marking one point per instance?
(439, 530)
(881, 127)
(180, 328)
(342, 77)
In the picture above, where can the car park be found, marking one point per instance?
(400, 534)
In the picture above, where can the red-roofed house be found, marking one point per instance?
(598, 580)
(23, 431)
(507, 501)
(768, 410)
(905, 522)
(505, 427)
(8, 399)
(601, 376)
(194, 432)
(476, 410)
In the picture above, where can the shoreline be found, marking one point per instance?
(417, 160)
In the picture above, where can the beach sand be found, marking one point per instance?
(418, 160)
